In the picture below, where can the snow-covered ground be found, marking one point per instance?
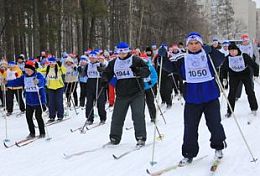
(46, 157)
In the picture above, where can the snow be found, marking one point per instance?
(46, 157)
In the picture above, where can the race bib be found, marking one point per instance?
(236, 63)
(197, 68)
(122, 68)
(29, 85)
(92, 71)
(10, 75)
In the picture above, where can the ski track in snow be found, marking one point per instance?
(46, 157)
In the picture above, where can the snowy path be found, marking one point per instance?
(46, 158)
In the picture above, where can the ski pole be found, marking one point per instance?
(85, 124)
(175, 84)
(5, 111)
(232, 111)
(73, 101)
(40, 101)
(158, 106)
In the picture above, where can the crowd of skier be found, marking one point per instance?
(127, 77)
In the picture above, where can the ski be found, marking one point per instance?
(173, 167)
(117, 157)
(19, 114)
(26, 142)
(57, 121)
(88, 127)
(68, 156)
(20, 143)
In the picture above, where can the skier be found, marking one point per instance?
(55, 85)
(237, 65)
(201, 96)
(12, 73)
(71, 81)
(129, 71)
(93, 88)
(82, 80)
(35, 97)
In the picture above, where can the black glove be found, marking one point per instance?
(44, 108)
(149, 82)
(59, 63)
(136, 70)
(103, 82)
(75, 68)
(101, 69)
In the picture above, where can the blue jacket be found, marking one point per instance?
(197, 93)
(153, 77)
(31, 98)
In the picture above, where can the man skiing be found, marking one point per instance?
(201, 96)
(129, 71)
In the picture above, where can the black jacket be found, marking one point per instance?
(131, 86)
(245, 73)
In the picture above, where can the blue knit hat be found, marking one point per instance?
(123, 47)
(84, 58)
(11, 63)
(52, 60)
(93, 54)
(194, 36)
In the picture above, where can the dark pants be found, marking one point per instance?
(233, 86)
(83, 94)
(166, 90)
(149, 98)
(56, 103)
(101, 102)
(192, 116)
(1, 97)
(71, 90)
(240, 85)
(122, 104)
(38, 115)
(10, 99)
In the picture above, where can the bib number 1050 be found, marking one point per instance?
(198, 73)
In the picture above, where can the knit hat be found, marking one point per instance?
(69, 59)
(123, 47)
(233, 46)
(11, 63)
(194, 36)
(226, 43)
(93, 54)
(83, 58)
(245, 37)
(52, 60)
(143, 55)
(30, 65)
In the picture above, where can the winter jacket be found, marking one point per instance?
(12, 74)
(54, 81)
(225, 69)
(203, 92)
(152, 79)
(131, 86)
(30, 90)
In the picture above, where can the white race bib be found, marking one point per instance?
(248, 49)
(236, 63)
(92, 71)
(29, 85)
(10, 75)
(122, 68)
(197, 68)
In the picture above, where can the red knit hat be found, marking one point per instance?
(30, 64)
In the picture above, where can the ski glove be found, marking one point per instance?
(35, 81)
(136, 70)
(59, 63)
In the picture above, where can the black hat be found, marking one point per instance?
(30, 64)
(233, 46)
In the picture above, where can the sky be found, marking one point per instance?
(257, 3)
